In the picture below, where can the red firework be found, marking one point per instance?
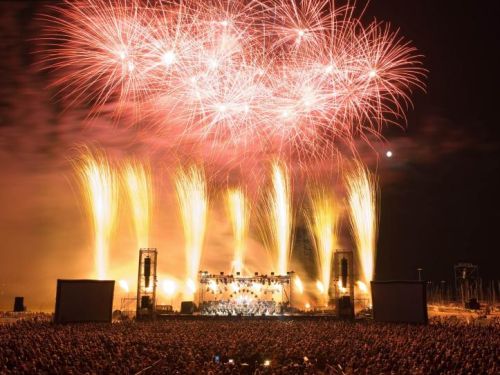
(290, 74)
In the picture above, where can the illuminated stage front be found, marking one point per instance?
(255, 295)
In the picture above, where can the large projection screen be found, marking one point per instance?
(84, 301)
(399, 301)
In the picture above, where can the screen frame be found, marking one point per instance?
(423, 312)
(60, 283)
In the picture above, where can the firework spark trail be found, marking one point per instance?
(362, 198)
(279, 72)
(98, 183)
(191, 188)
(239, 213)
(298, 284)
(323, 224)
(321, 288)
(137, 179)
(362, 286)
(279, 219)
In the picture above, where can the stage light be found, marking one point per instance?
(169, 287)
(212, 285)
(257, 287)
(341, 287)
(320, 286)
(362, 286)
(267, 363)
(124, 285)
(388, 154)
(190, 285)
(234, 287)
(298, 284)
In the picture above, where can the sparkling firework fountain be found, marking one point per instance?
(192, 196)
(278, 211)
(362, 197)
(323, 224)
(99, 187)
(137, 179)
(299, 286)
(239, 213)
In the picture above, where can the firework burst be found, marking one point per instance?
(294, 75)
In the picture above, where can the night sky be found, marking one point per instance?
(440, 191)
(445, 205)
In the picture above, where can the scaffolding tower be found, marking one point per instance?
(467, 281)
(342, 289)
(146, 284)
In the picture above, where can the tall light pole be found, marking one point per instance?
(420, 270)
(443, 287)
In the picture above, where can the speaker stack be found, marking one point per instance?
(187, 307)
(345, 308)
(19, 304)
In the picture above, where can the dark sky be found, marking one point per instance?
(440, 191)
(446, 205)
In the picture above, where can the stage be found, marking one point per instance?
(295, 317)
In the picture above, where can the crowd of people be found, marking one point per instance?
(250, 346)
